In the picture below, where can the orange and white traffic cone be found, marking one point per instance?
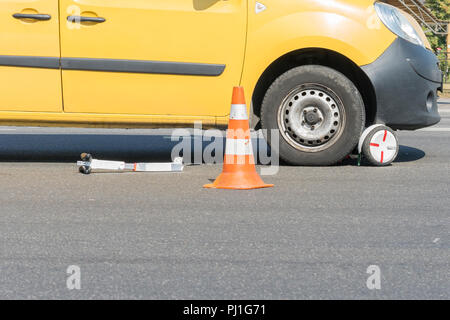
(239, 170)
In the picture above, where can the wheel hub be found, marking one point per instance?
(311, 117)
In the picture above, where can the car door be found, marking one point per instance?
(160, 57)
(30, 76)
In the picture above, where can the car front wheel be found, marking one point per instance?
(318, 112)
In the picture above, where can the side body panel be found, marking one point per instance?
(197, 31)
(142, 33)
(23, 88)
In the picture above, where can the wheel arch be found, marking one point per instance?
(317, 56)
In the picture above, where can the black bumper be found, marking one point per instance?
(406, 79)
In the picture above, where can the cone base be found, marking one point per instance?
(239, 181)
(212, 186)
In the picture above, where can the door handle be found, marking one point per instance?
(40, 17)
(78, 19)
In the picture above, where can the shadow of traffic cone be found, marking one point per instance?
(239, 170)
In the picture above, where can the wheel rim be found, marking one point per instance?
(383, 146)
(311, 118)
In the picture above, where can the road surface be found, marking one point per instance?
(162, 236)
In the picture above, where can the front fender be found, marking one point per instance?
(350, 28)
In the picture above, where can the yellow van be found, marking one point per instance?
(319, 71)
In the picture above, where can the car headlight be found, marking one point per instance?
(395, 21)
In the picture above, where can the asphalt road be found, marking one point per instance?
(161, 236)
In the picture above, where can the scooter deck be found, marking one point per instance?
(88, 164)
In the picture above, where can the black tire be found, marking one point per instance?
(351, 106)
(366, 148)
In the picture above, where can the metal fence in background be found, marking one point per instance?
(444, 59)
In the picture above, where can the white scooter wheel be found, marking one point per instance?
(381, 146)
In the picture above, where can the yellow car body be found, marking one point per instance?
(229, 33)
(140, 63)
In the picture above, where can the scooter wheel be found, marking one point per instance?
(86, 157)
(381, 146)
(85, 170)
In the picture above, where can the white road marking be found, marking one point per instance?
(435, 130)
(436, 240)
